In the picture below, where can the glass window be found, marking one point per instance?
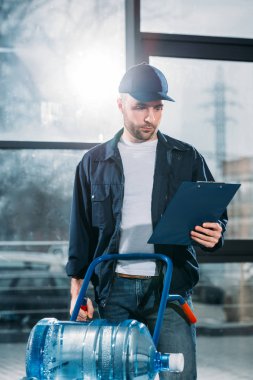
(222, 303)
(36, 190)
(197, 17)
(223, 294)
(213, 112)
(31, 294)
(60, 64)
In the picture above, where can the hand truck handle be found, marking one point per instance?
(130, 256)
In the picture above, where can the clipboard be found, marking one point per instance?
(193, 204)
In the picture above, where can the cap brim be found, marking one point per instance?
(150, 96)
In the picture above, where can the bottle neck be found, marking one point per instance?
(169, 362)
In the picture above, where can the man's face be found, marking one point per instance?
(141, 120)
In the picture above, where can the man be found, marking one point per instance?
(121, 190)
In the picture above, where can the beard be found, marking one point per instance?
(144, 134)
(141, 133)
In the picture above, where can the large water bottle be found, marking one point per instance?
(95, 350)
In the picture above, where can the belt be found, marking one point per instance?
(133, 276)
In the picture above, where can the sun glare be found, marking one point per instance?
(92, 75)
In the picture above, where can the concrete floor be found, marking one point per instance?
(219, 358)
(225, 358)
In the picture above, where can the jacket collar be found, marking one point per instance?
(171, 143)
(110, 148)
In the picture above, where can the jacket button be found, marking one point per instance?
(93, 196)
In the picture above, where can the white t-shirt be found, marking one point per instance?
(136, 225)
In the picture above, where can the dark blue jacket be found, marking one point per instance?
(97, 204)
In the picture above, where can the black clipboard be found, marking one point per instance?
(193, 204)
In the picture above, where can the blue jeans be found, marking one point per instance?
(139, 299)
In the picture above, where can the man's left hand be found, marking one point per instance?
(207, 235)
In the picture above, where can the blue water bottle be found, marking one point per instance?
(95, 350)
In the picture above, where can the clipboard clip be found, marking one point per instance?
(220, 184)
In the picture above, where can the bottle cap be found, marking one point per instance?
(176, 362)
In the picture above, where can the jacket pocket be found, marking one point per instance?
(101, 205)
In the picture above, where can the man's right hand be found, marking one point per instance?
(75, 288)
(82, 315)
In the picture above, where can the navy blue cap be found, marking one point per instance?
(145, 83)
